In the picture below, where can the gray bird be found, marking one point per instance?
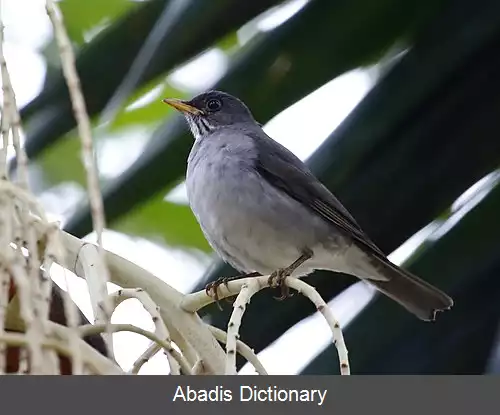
(264, 212)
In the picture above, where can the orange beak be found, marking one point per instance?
(182, 106)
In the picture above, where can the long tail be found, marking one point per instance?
(416, 295)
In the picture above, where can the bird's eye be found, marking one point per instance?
(214, 105)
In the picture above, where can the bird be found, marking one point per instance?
(264, 212)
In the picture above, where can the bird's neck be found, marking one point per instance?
(200, 127)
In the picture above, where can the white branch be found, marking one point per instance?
(115, 328)
(243, 349)
(24, 288)
(54, 251)
(338, 339)
(144, 358)
(93, 268)
(161, 330)
(97, 363)
(11, 118)
(198, 368)
(248, 289)
(17, 207)
(178, 311)
(193, 331)
(195, 301)
(90, 356)
(88, 157)
(82, 118)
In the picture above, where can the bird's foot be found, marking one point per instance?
(211, 288)
(277, 280)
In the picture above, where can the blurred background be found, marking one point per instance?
(394, 105)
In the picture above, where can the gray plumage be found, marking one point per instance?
(260, 207)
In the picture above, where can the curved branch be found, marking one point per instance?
(338, 338)
(149, 305)
(195, 301)
(189, 326)
(89, 329)
(248, 289)
(242, 348)
(144, 358)
(99, 363)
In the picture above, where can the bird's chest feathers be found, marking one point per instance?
(222, 185)
(247, 221)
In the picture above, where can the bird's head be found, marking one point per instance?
(211, 110)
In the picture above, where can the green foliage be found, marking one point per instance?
(172, 223)
(62, 162)
(81, 17)
(150, 114)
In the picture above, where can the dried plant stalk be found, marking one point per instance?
(243, 349)
(338, 338)
(249, 288)
(88, 157)
(161, 329)
(195, 301)
(115, 328)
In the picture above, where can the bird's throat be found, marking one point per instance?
(199, 126)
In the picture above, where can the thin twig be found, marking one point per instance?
(144, 358)
(49, 247)
(89, 329)
(195, 301)
(88, 156)
(160, 328)
(55, 252)
(59, 346)
(23, 289)
(23, 197)
(11, 114)
(6, 112)
(23, 221)
(99, 363)
(15, 263)
(4, 299)
(338, 338)
(242, 348)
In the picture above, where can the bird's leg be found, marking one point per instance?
(211, 287)
(277, 278)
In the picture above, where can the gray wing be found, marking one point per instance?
(281, 168)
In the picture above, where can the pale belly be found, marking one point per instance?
(254, 226)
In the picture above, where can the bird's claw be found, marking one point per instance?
(212, 287)
(277, 280)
